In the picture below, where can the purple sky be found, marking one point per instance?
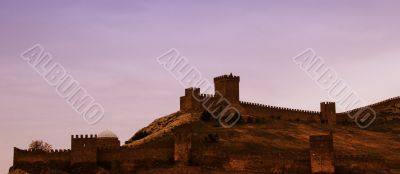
(111, 48)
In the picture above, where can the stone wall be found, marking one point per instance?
(34, 161)
(272, 112)
(252, 163)
(177, 156)
(322, 154)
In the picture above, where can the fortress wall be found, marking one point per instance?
(162, 154)
(266, 111)
(387, 110)
(268, 163)
(108, 154)
(263, 162)
(130, 160)
(135, 154)
(166, 142)
(288, 114)
(35, 161)
(343, 118)
(41, 156)
(379, 105)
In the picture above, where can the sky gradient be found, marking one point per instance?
(111, 47)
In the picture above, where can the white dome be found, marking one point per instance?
(106, 134)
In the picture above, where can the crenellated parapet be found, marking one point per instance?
(270, 107)
(227, 77)
(86, 136)
(375, 105)
(31, 151)
(282, 113)
(386, 101)
(206, 96)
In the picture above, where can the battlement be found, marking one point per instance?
(227, 77)
(86, 136)
(327, 103)
(206, 97)
(53, 151)
(250, 104)
(190, 91)
(389, 100)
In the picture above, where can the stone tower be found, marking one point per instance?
(190, 101)
(228, 87)
(328, 113)
(83, 149)
(322, 154)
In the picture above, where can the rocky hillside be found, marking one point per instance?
(273, 135)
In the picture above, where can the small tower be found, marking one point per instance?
(228, 86)
(322, 154)
(189, 102)
(84, 149)
(328, 113)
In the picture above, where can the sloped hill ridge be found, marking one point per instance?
(159, 127)
(391, 105)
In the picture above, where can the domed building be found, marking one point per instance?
(107, 139)
(107, 134)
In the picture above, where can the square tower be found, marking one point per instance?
(328, 113)
(84, 149)
(228, 87)
(189, 102)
